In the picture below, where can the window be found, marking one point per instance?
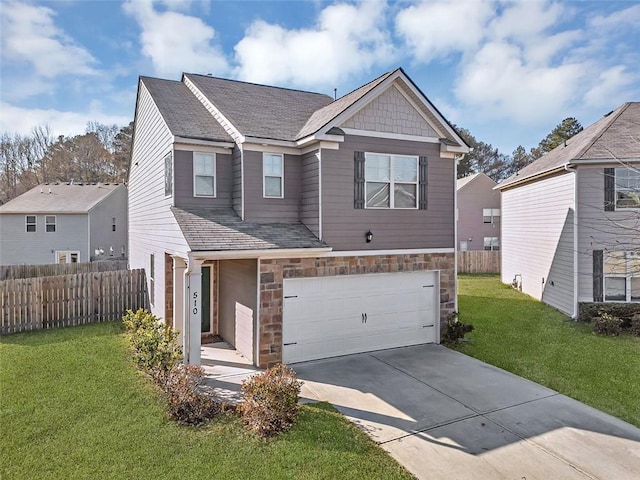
(204, 174)
(168, 175)
(622, 276)
(491, 243)
(50, 223)
(391, 181)
(31, 223)
(66, 256)
(491, 215)
(152, 273)
(113, 224)
(627, 187)
(273, 175)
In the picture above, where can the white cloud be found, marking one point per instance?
(176, 42)
(347, 39)
(30, 36)
(611, 87)
(628, 16)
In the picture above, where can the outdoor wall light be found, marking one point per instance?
(368, 236)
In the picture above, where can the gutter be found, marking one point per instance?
(502, 186)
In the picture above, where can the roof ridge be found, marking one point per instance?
(386, 74)
(608, 124)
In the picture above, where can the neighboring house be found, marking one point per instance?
(478, 213)
(64, 223)
(571, 219)
(294, 226)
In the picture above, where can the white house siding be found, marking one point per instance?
(597, 229)
(101, 226)
(537, 239)
(148, 207)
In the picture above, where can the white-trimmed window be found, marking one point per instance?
(50, 223)
(490, 215)
(30, 221)
(273, 175)
(622, 276)
(627, 187)
(67, 256)
(168, 175)
(391, 181)
(491, 243)
(204, 174)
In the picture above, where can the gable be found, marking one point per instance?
(391, 112)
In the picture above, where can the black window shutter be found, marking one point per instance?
(358, 162)
(609, 189)
(597, 275)
(422, 183)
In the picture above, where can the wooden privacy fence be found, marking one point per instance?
(10, 272)
(479, 261)
(69, 300)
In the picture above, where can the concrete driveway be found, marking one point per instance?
(445, 415)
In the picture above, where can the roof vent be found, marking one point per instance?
(41, 191)
(49, 190)
(607, 114)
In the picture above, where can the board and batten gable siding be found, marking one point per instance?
(344, 227)
(152, 227)
(236, 178)
(183, 182)
(271, 210)
(537, 239)
(599, 229)
(310, 197)
(19, 247)
(100, 224)
(477, 195)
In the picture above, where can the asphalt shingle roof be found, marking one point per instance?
(60, 198)
(183, 112)
(223, 230)
(616, 135)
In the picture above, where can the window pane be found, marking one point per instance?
(405, 169)
(635, 288)
(627, 188)
(204, 164)
(496, 212)
(404, 196)
(74, 258)
(62, 257)
(377, 167)
(378, 195)
(273, 165)
(615, 288)
(272, 187)
(51, 228)
(615, 263)
(204, 186)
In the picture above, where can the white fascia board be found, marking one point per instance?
(320, 145)
(453, 148)
(393, 136)
(615, 161)
(266, 254)
(178, 141)
(269, 141)
(270, 148)
(320, 137)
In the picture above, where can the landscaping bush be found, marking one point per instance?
(634, 325)
(455, 329)
(607, 324)
(271, 401)
(625, 311)
(188, 404)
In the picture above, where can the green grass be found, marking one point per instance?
(72, 406)
(519, 334)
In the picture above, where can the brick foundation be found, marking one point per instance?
(273, 272)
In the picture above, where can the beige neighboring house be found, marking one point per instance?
(64, 223)
(571, 219)
(478, 213)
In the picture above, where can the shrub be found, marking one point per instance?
(271, 401)
(188, 404)
(607, 324)
(624, 311)
(455, 329)
(634, 325)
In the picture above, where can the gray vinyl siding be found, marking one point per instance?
(475, 196)
(344, 227)
(236, 178)
(537, 239)
(271, 210)
(600, 230)
(310, 201)
(152, 227)
(238, 282)
(100, 225)
(19, 247)
(183, 182)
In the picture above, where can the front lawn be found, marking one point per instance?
(519, 334)
(72, 406)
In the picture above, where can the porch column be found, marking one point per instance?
(193, 303)
(179, 266)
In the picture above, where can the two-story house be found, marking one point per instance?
(478, 213)
(64, 223)
(293, 225)
(571, 219)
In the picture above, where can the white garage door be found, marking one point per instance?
(330, 316)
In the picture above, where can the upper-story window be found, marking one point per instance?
(113, 224)
(204, 174)
(627, 181)
(31, 223)
(622, 276)
(391, 181)
(168, 175)
(273, 175)
(490, 215)
(50, 223)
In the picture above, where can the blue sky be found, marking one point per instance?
(507, 71)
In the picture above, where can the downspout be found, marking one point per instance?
(455, 227)
(575, 238)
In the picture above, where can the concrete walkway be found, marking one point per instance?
(444, 415)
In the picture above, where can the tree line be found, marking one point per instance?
(101, 154)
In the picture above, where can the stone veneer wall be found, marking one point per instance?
(273, 272)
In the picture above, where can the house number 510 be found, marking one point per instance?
(195, 303)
